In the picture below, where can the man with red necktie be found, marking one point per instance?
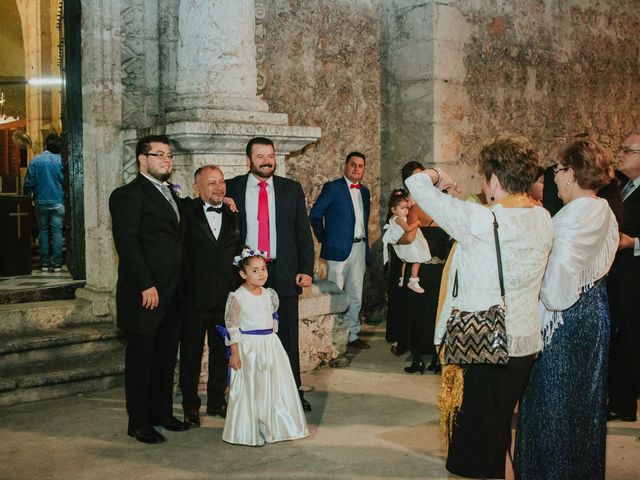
(340, 219)
(273, 217)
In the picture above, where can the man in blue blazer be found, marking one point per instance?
(340, 219)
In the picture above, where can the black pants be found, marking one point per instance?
(198, 324)
(150, 361)
(624, 355)
(289, 333)
(481, 434)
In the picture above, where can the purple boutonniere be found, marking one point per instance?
(176, 188)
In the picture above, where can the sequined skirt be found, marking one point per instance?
(562, 426)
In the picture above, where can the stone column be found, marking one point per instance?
(41, 37)
(212, 68)
(102, 135)
(208, 83)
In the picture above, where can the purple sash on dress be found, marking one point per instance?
(264, 331)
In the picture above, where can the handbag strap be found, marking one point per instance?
(496, 236)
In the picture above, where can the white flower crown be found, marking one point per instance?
(248, 253)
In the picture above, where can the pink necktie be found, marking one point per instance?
(264, 237)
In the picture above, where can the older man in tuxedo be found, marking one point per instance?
(148, 227)
(273, 217)
(212, 239)
(340, 219)
(623, 286)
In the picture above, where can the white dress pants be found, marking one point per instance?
(348, 275)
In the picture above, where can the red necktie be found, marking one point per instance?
(264, 237)
(354, 185)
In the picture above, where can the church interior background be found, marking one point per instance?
(399, 80)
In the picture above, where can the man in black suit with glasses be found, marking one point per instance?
(148, 229)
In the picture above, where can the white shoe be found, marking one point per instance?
(414, 285)
(56, 269)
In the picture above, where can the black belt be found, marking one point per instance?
(358, 240)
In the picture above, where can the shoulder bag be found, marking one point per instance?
(478, 337)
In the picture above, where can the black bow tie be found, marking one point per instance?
(214, 209)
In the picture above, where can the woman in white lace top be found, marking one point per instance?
(480, 438)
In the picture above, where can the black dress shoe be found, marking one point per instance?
(146, 434)
(415, 367)
(192, 418)
(623, 418)
(357, 343)
(173, 424)
(220, 411)
(306, 406)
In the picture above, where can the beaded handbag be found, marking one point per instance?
(478, 337)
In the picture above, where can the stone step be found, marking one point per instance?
(67, 376)
(55, 344)
(22, 318)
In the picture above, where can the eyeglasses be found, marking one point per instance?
(160, 155)
(627, 150)
(557, 169)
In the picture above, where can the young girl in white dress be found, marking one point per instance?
(416, 252)
(264, 403)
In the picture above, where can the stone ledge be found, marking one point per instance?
(42, 339)
(324, 329)
(74, 369)
(20, 318)
(59, 390)
(322, 297)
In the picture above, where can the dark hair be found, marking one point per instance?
(53, 143)
(397, 196)
(590, 164)
(258, 141)
(244, 263)
(540, 173)
(355, 154)
(512, 159)
(144, 144)
(204, 167)
(410, 167)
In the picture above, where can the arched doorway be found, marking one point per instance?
(41, 93)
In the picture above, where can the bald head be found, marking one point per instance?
(629, 156)
(209, 184)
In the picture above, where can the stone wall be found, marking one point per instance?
(547, 69)
(319, 61)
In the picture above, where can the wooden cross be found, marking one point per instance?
(19, 214)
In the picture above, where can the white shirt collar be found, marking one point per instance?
(349, 182)
(254, 181)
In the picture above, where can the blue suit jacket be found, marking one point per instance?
(333, 219)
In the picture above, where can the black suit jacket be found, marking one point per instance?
(148, 238)
(294, 250)
(626, 267)
(210, 274)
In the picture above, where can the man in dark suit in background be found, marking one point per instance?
(340, 219)
(273, 217)
(148, 232)
(623, 286)
(212, 239)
